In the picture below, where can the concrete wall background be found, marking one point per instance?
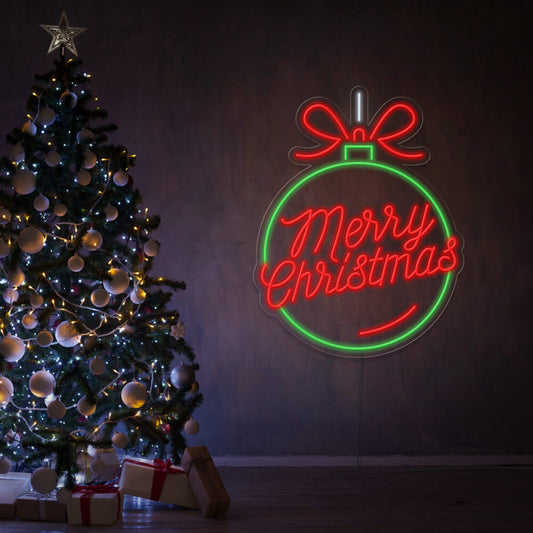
(206, 98)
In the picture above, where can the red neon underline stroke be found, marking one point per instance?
(391, 324)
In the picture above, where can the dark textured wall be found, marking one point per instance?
(206, 98)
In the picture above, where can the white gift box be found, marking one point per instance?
(12, 485)
(155, 480)
(95, 508)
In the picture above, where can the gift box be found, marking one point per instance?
(83, 463)
(36, 507)
(95, 505)
(156, 480)
(104, 464)
(206, 482)
(12, 485)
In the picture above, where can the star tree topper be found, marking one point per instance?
(62, 34)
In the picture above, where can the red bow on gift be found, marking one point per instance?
(375, 132)
(87, 492)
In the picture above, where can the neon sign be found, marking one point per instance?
(370, 271)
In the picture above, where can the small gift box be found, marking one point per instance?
(12, 485)
(206, 482)
(105, 465)
(36, 507)
(95, 505)
(156, 480)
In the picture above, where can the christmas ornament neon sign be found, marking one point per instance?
(322, 252)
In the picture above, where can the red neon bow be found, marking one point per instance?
(390, 142)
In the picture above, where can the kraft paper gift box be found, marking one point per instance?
(109, 468)
(12, 485)
(156, 480)
(36, 507)
(95, 505)
(206, 482)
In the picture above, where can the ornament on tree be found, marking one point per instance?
(138, 295)
(151, 248)
(5, 249)
(69, 99)
(11, 348)
(67, 335)
(99, 298)
(111, 212)
(16, 153)
(41, 203)
(97, 366)
(178, 331)
(76, 263)
(5, 216)
(42, 384)
(44, 480)
(44, 338)
(85, 407)
(191, 427)
(46, 116)
(6, 389)
(31, 240)
(15, 277)
(84, 135)
(56, 409)
(182, 376)
(83, 177)
(118, 283)
(134, 394)
(29, 127)
(52, 159)
(92, 240)
(89, 159)
(119, 440)
(29, 321)
(5, 465)
(120, 178)
(24, 181)
(60, 210)
(36, 300)
(10, 295)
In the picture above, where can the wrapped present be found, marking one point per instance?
(83, 463)
(156, 480)
(37, 507)
(206, 482)
(95, 505)
(104, 464)
(12, 485)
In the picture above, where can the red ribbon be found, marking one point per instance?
(87, 492)
(161, 469)
(374, 132)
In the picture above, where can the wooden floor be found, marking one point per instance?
(406, 500)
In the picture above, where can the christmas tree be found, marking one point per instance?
(90, 352)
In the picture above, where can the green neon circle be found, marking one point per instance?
(411, 333)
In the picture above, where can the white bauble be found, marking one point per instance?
(44, 338)
(41, 203)
(5, 215)
(138, 295)
(127, 328)
(83, 177)
(191, 427)
(52, 158)
(6, 384)
(69, 99)
(42, 384)
(118, 283)
(29, 127)
(134, 394)
(46, 116)
(31, 240)
(16, 153)
(111, 212)
(16, 277)
(36, 300)
(4, 249)
(64, 495)
(5, 465)
(89, 159)
(29, 321)
(10, 296)
(120, 178)
(4, 395)
(120, 440)
(23, 181)
(99, 298)
(60, 210)
(76, 263)
(97, 366)
(67, 335)
(86, 408)
(84, 134)
(44, 480)
(151, 248)
(92, 240)
(56, 409)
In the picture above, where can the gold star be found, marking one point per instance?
(62, 34)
